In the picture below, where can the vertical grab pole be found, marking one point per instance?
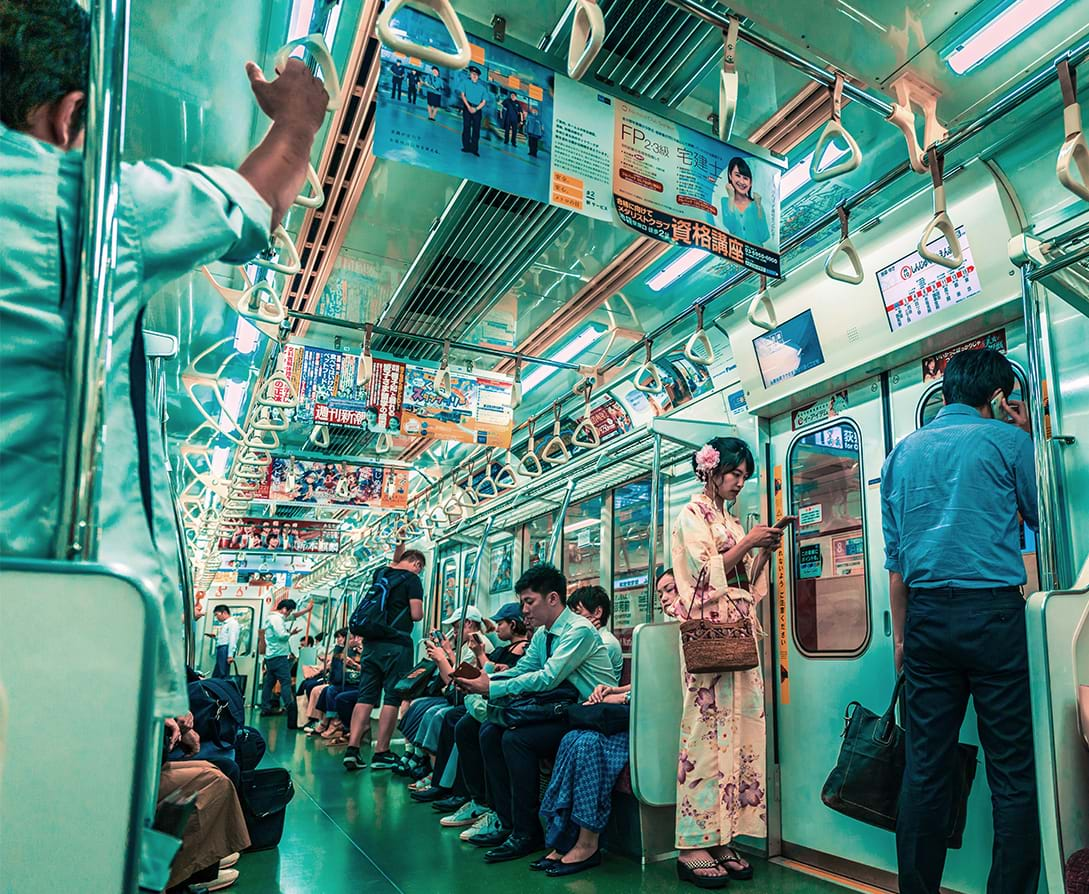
(557, 529)
(655, 498)
(1045, 546)
(77, 531)
(469, 588)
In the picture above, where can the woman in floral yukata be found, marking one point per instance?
(721, 779)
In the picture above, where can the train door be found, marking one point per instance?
(835, 631)
(248, 613)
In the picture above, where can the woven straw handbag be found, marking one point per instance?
(714, 646)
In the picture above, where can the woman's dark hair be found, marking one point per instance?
(517, 626)
(543, 579)
(45, 51)
(343, 631)
(971, 377)
(732, 453)
(667, 573)
(742, 167)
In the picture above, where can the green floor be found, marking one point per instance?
(360, 833)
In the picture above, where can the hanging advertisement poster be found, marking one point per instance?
(309, 483)
(274, 535)
(516, 125)
(502, 567)
(476, 411)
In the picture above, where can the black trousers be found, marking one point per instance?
(470, 129)
(470, 760)
(512, 764)
(510, 133)
(412, 91)
(533, 143)
(960, 643)
(222, 664)
(395, 88)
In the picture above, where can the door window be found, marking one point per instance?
(582, 544)
(931, 402)
(632, 603)
(831, 616)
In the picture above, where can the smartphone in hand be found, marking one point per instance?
(785, 522)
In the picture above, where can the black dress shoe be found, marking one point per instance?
(543, 864)
(430, 794)
(490, 839)
(449, 805)
(514, 848)
(561, 868)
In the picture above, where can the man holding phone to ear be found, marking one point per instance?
(951, 494)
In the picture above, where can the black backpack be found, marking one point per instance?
(218, 711)
(369, 619)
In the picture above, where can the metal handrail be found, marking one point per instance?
(77, 528)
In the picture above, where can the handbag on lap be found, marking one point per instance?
(865, 783)
(536, 707)
(605, 718)
(418, 681)
(714, 646)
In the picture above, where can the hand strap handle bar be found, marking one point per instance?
(940, 222)
(530, 466)
(698, 347)
(442, 376)
(761, 299)
(1074, 154)
(728, 83)
(834, 130)
(193, 378)
(647, 378)
(280, 237)
(555, 452)
(846, 248)
(457, 60)
(365, 368)
(587, 38)
(586, 434)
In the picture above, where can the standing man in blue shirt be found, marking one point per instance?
(950, 498)
(226, 640)
(474, 96)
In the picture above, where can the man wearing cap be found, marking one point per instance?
(474, 96)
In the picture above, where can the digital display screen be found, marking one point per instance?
(914, 288)
(788, 350)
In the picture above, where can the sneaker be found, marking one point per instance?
(466, 815)
(225, 879)
(384, 760)
(487, 824)
(421, 784)
(352, 760)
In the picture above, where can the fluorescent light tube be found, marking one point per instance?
(581, 342)
(676, 268)
(997, 31)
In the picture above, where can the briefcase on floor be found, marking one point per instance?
(865, 783)
(265, 796)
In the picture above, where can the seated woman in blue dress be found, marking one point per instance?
(742, 212)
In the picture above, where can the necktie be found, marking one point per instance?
(548, 645)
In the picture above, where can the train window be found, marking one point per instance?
(448, 584)
(831, 616)
(931, 402)
(538, 536)
(582, 543)
(632, 604)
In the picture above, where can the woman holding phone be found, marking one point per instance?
(721, 781)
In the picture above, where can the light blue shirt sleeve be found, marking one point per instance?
(890, 527)
(1024, 480)
(573, 647)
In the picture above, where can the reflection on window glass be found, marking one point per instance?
(582, 543)
(831, 606)
(538, 534)
(448, 583)
(502, 565)
(632, 603)
(932, 401)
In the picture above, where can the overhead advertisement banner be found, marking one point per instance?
(476, 411)
(313, 482)
(516, 125)
(274, 535)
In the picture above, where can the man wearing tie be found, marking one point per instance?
(226, 640)
(565, 649)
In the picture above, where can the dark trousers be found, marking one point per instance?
(470, 760)
(512, 764)
(534, 142)
(470, 129)
(412, 91)
(960, 643)
(510, 133)
(222, 665)
(277, 669)
(395, 90)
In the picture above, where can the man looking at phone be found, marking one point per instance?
(950, 497)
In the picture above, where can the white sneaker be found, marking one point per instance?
(421, 785)
(225, 879)
(229, 861)
(466, 815)
(485, 825)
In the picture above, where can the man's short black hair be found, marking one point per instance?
(289, 604)
(972, 377)
(591, 599)
(543, 579)
(45, 51)
(221, 608)
(343, 631)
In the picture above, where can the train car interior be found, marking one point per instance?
(545, 252)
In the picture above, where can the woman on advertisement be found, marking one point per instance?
(742, 211)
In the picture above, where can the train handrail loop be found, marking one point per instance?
(449, 18)
(587, 38)
(193, 378)
(262, 440)
(365, 368)
(652, 383)
(506, 470)
(834, 130)
(319, 435)
(266, 396)
(1075, 151)
(586, 434)
(555, 451)
(317, 196)
(940, 222)
(699, 341)
(342, 490)
(260, 301)
(317, 47)
(729, 83)
(762, 299)
(383, 443)
(442, 375)
(530, 464)
(846, 248)
(271, 419)
(287, 245)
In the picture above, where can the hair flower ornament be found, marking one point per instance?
(707, 460)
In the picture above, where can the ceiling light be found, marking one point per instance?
(220, 455)
(580, 343)
(676, 268)
(995, 31)
(245, 336)
(582, 524)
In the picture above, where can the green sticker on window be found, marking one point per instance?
(809, 561)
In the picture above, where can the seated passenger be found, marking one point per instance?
(578, 801)
(594, 604)
(565, 649)
(331, 728)
(333, 672)
(170, 220)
